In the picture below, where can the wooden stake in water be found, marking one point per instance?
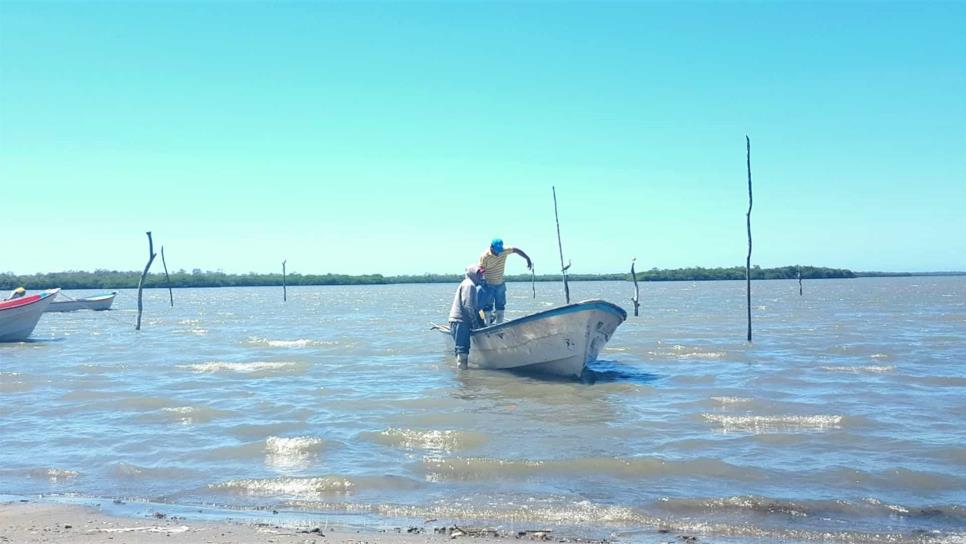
(637, 290)
(284, 289)
(563, 269)
(799, 282)
(748, 217)
(151, 256)
(167, 278)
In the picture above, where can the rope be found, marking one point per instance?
(533, 285)
(109, 316)
(61, 294)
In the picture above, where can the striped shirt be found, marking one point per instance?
(494, 265)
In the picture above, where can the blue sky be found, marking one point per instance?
(400, 137)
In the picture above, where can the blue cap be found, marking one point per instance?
(497, 244)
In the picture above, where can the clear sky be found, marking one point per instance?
(400, 137)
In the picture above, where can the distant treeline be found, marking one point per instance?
(905, 274)
(113, 279)
(738, 273)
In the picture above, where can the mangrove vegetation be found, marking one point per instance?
(113, 279)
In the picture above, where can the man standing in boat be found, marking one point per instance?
(493, 293)
(464, 315)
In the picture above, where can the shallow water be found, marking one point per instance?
(842, 422)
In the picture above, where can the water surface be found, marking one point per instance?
(842, 422)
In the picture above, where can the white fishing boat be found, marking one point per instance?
(560, 341)
(97, 303)
(19, 316)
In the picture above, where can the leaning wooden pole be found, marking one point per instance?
(151, 256)
(167, 278)
(637, 290)
(284, 289)
(748, 219)
(563, 269)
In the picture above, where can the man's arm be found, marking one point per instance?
(480, 320)
(523, 254)
(470, 302)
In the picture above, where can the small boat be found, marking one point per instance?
(19, 316)
(560, 341)
(97, 303)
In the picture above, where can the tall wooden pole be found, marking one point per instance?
(151, 256)
(637, 290)
(284, 289)
(167, 278)
(563, 269)
(748, 218)
(799, 281)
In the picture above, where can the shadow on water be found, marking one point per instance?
(599, 371)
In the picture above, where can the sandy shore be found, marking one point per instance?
(34, 522)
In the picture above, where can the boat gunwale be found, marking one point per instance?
(28, 300)
(560, 310)
(95, 298)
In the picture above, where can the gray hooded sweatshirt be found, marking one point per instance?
(465, 305)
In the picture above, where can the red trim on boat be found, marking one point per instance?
(22, 301)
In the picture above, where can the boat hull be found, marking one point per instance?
(560, 341)
(18, 318)
(99, 303)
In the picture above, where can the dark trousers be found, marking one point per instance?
(490, 294)
(461, 336)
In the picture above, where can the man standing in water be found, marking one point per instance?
(464, 314)
(494, 291)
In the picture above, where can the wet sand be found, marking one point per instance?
(34, 522)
